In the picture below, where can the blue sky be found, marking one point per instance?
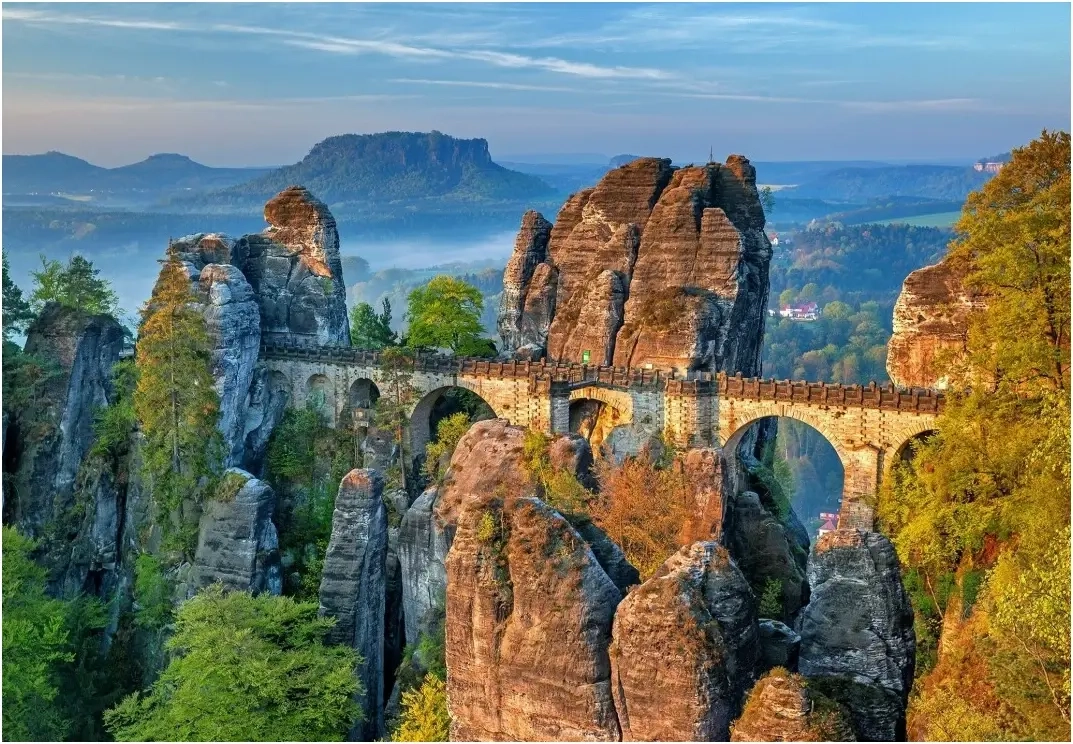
(260, 83)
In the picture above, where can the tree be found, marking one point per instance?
(397, 397)
(446, 313)
(371, 330)
(175, 400)
(16, 310)
(424, 715)
(75, 285)
(36, 647)
(245, 668)
(767, 199)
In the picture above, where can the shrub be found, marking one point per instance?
(487, 528)
(771, 600)
(448, 433)
(152, 593)
(424, 715)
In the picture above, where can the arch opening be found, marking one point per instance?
(789, 462)
(907, 450)
(439, 404)
(594, 419)
(319, 397)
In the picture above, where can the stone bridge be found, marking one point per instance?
(868, 426)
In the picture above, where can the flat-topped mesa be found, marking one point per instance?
(654, 265)
(295, 270)
(931, 321)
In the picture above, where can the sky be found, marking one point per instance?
(261, 83)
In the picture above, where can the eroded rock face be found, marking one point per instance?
(931, 318)
(781, 707)
(530, 255)
(529, 612)
(769, 545)
(707, 473)
(353, 586)
(685, 645)
(779, 645)
(423, 545)
(857, 639)
(83, 349)
(655, 264)
(238, 545)
(295, 271)
(267, 402)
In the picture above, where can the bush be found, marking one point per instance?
(424, 714)
(771, 600)
(152, 593)
(448, 433)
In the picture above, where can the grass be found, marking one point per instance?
(939, 219)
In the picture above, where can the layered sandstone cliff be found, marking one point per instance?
(931, 319)
(654, 265)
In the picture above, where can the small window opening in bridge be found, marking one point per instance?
(593, 419)
(789, 464)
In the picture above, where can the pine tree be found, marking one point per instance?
(175, 401)
(75, 285)
(371, 330)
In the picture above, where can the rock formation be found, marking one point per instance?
(529, 601)
(654, 264)
(423, 546)
(353, 586)
(685, 645)
(237, 542)
(857, 639)
(295, 271)
(82, 348)
(779, 645)
(782, 707)
(706, 471)
(931, 319)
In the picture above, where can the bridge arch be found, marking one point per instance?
(819, 464)
(439, 403)
(320, 394)
(595, 411)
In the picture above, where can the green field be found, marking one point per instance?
(940, 219)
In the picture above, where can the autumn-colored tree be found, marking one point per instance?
(644, 509)
(982, 513)
(175, 400)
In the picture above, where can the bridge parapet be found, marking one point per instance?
(885, 397)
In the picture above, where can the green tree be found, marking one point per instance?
(175, 400)
(371, 330)
(767, 199)
(446, 313)
(245, 668)
(74, 285)
(16, 310)
(449, 432)
(36, 647)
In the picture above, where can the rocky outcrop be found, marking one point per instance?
(654, 264)
(769, 544)
(931, 319)
(782, 707)
(237, 542)
(685, 645)
(266, 403)
(857, 639)
(353, 586)
(295, 271)
(706, 471)
(779, 645)
(422, 549)
(55, 436)
(526, 306)
(529, 612)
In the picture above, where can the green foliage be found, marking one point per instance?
(152, 593)
(15, 309)
(991, 488)
(176, 402)
(228, 487)
(114, 424)
(446, 314)
(371, 330)
(775, 478)
(487, 528)
(36, 644)
(290, 452)
(424, 715)
(771, 600)
(75, 285)
(448, 433)
(561, 490)
(26, 383)
(245, 668)
(767, 199)
(391, 412)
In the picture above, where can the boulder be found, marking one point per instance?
(295, 271)
(857, 640)
(82, 349)
(782, 707)
(779, 645)
(529, 612)
(238, 545)
(931, 319)
(685, 645)
(353, 587)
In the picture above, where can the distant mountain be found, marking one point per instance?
(945, 182)
(55, 172)
(618, 160)
(1003, 158)
(793, 172)
(395, 166)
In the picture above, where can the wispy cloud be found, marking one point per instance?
(485, 84)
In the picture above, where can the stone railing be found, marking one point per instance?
(888, 397)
